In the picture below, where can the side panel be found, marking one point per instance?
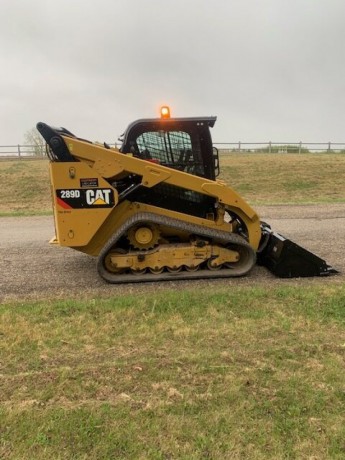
(82, 200)
(111, 163)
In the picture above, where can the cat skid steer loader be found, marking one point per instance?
(153, 210)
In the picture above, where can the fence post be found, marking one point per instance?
(19, 153)
(300, 147)
(239, 147)
(329, 147)
(270, 147)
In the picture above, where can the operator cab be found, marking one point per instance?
(179, 143)
(184, 144)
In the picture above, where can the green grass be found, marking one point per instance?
(25, 188)
(259, 178)
(286, 178)
(235, 373)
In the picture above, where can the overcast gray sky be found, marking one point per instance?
(269, 69)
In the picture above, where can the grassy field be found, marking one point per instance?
(286, 178)
(259, 178)
(25, 188)
(224, 373)
(246, 373)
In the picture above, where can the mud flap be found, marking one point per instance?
(286, 259)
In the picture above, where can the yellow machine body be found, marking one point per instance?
(87, 229)
(159, 213)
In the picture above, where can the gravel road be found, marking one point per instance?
(32, 269)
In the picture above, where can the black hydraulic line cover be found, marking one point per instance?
(286, 259)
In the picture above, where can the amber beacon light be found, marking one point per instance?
(165, 112)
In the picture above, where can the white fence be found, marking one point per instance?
(280, 147)
(22, 151)
(34, 151)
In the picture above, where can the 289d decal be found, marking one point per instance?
(85, 198)
(70, 194)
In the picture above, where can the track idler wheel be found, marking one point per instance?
(109, 265)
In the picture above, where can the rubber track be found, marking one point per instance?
(249, 256)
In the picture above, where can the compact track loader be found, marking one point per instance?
(153, 210)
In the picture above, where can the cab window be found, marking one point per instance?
(171, 148)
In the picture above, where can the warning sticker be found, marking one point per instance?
(90, 182)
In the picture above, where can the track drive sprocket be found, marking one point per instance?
(143, 236)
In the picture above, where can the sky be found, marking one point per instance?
(268, 69)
